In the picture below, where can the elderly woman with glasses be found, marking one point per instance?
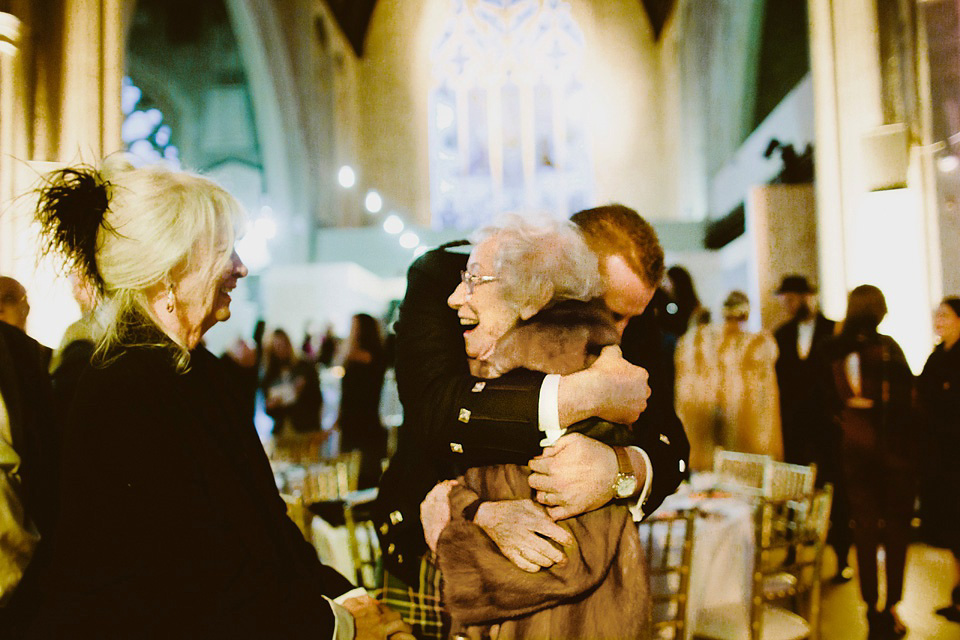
(170, 524)
(527, 299)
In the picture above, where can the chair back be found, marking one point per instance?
(668, 540)
(790, 480)
(788, 555)
(298, 512)
(298, 448)
(743, 473)
(761, 476)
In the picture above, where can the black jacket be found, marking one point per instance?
(451, 423)
(171, 524)
(25, 387)
(801, 419)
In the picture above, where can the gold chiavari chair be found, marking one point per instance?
(790, 537)
(668, 541)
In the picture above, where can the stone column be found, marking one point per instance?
(10, 28)
(92, 72)
(870, 230)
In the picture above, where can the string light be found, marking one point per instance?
(409, 240)
(393, 224)
(373, 202)
(346, 176)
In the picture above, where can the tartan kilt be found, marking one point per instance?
(421, 605)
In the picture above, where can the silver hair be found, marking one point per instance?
(536, 254)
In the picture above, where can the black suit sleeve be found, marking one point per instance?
(456, 418)
(658, 431)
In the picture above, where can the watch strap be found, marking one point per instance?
(623, 461)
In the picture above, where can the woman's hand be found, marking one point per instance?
(520, 529)
(435, 512)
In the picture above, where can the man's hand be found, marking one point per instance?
(373, 621)
(514, 526)
(574, 476)
(611, 388)
(435, 512)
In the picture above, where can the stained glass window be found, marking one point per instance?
(507, 113)
(146, 136)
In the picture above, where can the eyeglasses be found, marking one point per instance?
(472, 281)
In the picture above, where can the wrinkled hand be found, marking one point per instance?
(435, 512)
(574, 476)
(374, 621)
(620, 389)
(514, 526)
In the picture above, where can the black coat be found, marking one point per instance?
(171, 524)
(939, 386)
(25, 387)
(451, 423)
(804, 435)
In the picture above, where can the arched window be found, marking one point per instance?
(507, 113)
(144, 133)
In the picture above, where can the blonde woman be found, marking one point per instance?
(170, 524)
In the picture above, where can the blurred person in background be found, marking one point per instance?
(359, 422)
(14, 306)
(329, 342)
(939, 387)
(169, 518)
(868, 393)
(14, 310)
(686, 309)
(797, 338)
(77, 345)
(726, 392)
(28, 472)
(807, 438)
(291, 388)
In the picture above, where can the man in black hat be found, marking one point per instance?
(806, 437)
(797, 339)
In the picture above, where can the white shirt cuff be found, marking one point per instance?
(343, 627)
(549, 410)
(637, 509)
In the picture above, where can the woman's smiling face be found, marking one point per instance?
(484, 313)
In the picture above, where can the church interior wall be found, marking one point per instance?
(623, 85)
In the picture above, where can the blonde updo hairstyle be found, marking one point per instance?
(158, 225)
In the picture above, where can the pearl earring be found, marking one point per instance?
(171, 302)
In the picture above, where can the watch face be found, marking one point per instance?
(626, 485)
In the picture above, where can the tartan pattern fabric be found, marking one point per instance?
(421, 607)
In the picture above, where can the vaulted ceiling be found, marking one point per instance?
(353, 16)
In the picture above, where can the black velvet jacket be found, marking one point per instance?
(171, 524)
(451, 423)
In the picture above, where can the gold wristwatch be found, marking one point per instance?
(625, 484)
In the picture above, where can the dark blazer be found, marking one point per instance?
(452, 423)
(171, 524)
(801, 419)
(25, 387)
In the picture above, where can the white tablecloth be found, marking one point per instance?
(718, 602)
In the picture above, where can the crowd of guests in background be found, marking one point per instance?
(838, 395)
